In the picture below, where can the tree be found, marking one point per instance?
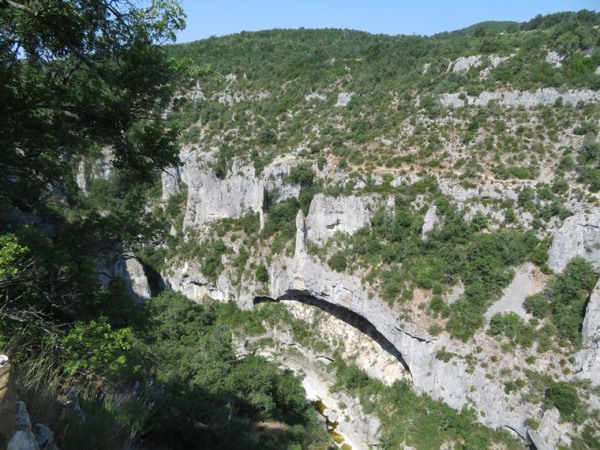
(78, 73)
(75, 77)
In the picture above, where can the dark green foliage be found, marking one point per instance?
(210, 253)
(564, 397)
(564, 299)
(281, 217)
(514, 328)
(338, 261)
(205, 383)
(262, 274)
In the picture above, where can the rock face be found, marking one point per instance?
(589, 357)
(129, 269)
(303, 279)
(170, 179)
(8, 399)
(550, 432)
(544, 96)
(579, 236)
(429, 222)
(211, 198)
(522, 285)
(344, 98)
(464, 63)
(328, 215)
(23, 439)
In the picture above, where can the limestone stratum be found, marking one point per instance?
(319, 239)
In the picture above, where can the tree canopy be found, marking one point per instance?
(80, 75)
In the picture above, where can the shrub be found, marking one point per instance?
(564, 397)
(338, 261)
(262, 274)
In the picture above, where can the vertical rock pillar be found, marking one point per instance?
(300, 235)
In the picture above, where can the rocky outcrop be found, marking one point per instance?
(464, 63)
(578, 236)
(429, 221)
(328, 215)
(8, 399)
(23, 438)
(303, 277)
(211, 198)
(344, 98)
(513, 99)
(127, 267)
(588, 359)
(191, 282)
(522, 285)
(170, 179)
(16, 431)
(342, 412)
(554, 59)
(550, 432)
(98, 168)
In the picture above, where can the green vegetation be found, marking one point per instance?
(455, 251)
(418, 420)
(176, 381)
(166, 372)
(563, 302)
(564, 397)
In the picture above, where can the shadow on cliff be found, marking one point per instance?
(344, 314)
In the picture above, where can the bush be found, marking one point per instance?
(95, 347)
(338, 261)
(564, 299)
(262, 274)
(564, 397)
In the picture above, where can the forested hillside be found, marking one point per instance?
(401, 229)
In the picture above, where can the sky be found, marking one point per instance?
(425, 17)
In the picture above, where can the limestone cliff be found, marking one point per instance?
(303, 278)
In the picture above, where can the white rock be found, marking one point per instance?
(328, 215)
(170, 178)
(554, 59)
(314, 96)
(578, 236)
(589, 358)
(551, 432)
(542, 96)
(429, 222)
(344, 98)
(522, 285)
(464, 63)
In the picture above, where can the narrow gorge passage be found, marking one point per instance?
(344, 314)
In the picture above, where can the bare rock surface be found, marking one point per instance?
(522, 285)
(551, 432)
(328, 215)
(578, 236)
(429, 222)
(528, 99)
(589, 357)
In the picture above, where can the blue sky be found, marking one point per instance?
(222, 17)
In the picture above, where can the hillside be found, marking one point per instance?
(409, 225)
